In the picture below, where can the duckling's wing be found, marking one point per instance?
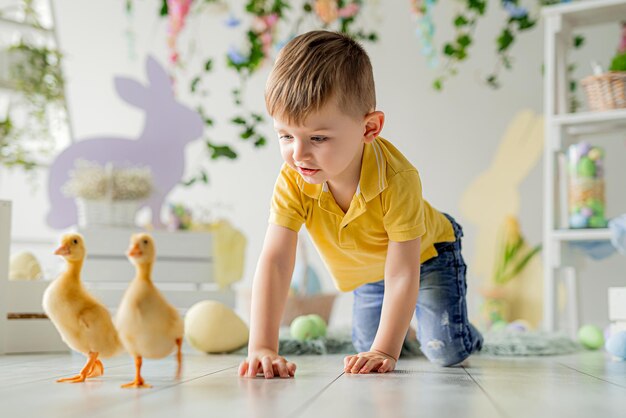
(96, 326)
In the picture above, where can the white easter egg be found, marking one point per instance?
(212, 327)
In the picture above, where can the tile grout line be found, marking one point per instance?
(491, 400)
(590, 375)
(308, 403)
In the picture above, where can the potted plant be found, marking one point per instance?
(512, 256)
(30, 70)
(108, 196)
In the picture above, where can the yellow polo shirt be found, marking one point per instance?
(387, 205)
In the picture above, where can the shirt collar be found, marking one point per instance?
(373, 170)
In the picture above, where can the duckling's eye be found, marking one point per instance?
(75, 241)
(145, 241)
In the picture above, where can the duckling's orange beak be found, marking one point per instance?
(62, 250)
(134, 251)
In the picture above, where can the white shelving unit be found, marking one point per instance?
(559, 261)
(43, 35)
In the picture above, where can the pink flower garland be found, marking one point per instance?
(177, 13)
(349, 10)
(265, 27)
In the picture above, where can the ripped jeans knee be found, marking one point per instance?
(444, 353)
(447, 346)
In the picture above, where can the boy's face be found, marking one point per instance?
(326, 147)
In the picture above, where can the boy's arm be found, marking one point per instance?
(269, 294)
(402, 278)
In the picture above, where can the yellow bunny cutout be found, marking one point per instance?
(496, 194)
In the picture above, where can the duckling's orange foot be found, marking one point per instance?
(74, 379)
(97, 369)
(137, 384)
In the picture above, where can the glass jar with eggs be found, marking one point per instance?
(586, 198)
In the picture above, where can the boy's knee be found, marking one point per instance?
(444, 353)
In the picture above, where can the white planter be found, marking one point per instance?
(118, 213)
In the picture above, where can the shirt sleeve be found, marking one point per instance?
(287, 208)
(404, 207)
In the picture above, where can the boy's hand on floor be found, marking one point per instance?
(368, 362)
(268, 363)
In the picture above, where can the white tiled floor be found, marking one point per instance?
(582, 385)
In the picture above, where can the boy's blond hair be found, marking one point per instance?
(314, 67)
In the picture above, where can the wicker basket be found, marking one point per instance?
(296, 305)
(117, 213)
(606, 91)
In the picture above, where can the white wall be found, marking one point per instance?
(449, 136)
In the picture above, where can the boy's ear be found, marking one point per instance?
(374, 122)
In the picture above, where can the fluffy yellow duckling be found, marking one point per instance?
(147, 324)
(83, 322)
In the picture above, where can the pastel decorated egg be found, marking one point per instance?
(591, 337)
(212, 327)
(320, 324)
(307, 327)
(24, 266)
(577, 221)
(304, 328)
(616, 345)
(595, 153)
(519, 325)
(586, 168)
(597, 222)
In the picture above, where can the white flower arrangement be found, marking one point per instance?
(91, 181)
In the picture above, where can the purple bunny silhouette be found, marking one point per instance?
(169, 126)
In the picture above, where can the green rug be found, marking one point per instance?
(497, 343)
(528, 343)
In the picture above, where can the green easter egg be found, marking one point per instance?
(596, 205)
(597, 222)
(586, 168)
(591, 337)
(303, 328)
(320, 325)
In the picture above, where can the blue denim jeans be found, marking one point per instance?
(443, 329)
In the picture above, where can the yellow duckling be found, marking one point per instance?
(83, 322)
(147, 324)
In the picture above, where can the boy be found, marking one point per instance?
(361, 201)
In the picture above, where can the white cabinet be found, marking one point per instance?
(5, 238)
(560, 128)
(184, 269)
(23, 327)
